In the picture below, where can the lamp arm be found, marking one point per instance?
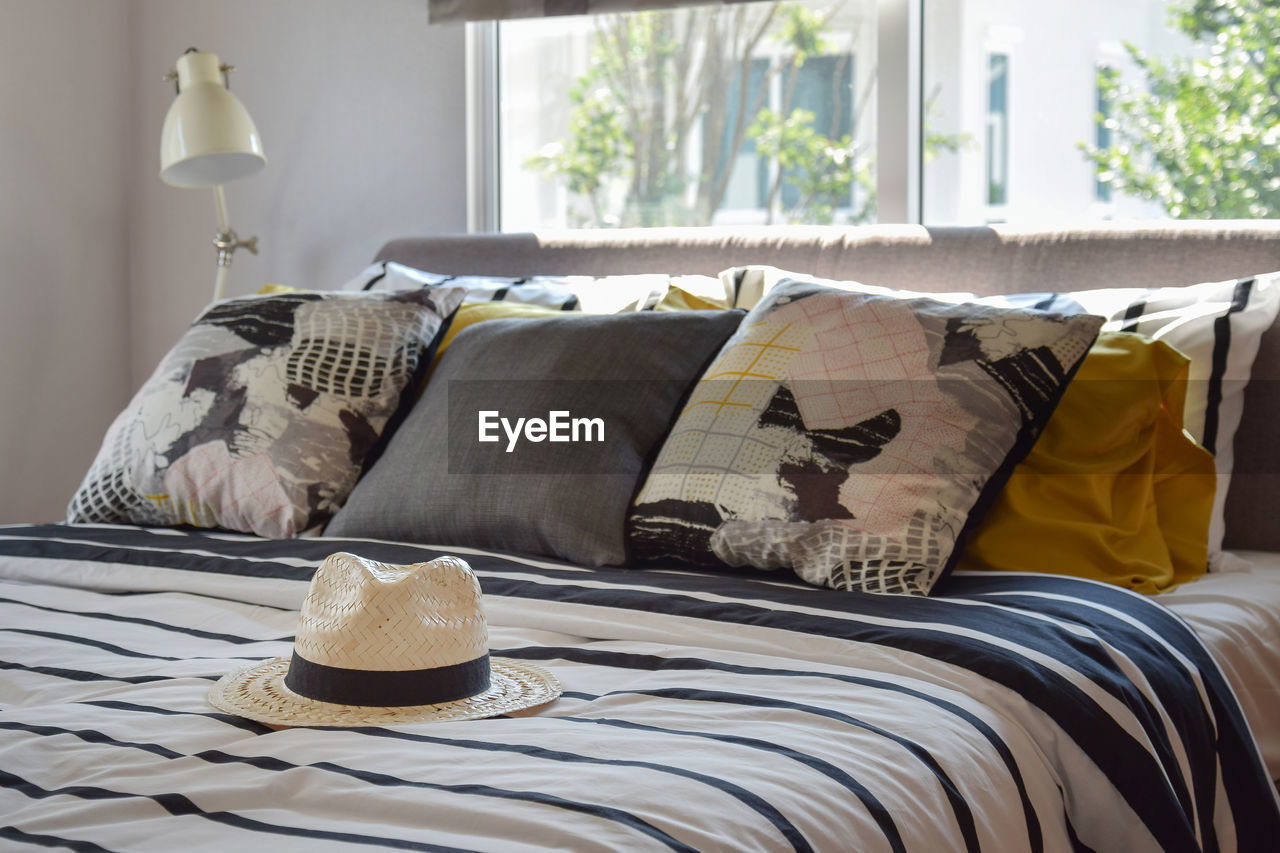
(220, 202)
(219, 282)
(226, 242)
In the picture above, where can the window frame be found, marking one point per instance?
(483, 132)
(1001, 40)
(1103, 193)
(996, 149)
(899, 100)
(1109, 56)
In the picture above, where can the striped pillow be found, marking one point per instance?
(591, 294)
(1218, 326)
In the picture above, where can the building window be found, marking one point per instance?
(712, 115)
(772, 112)
(1107, 77)
(997, 129)
(770, 180)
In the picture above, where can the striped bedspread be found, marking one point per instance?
(701, 712)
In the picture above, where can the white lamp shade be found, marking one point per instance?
(208, 137)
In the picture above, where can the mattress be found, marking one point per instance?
(701, 712)
(1237, 615)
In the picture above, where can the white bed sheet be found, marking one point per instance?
(1237, 614)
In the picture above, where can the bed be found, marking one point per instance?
(702, 709)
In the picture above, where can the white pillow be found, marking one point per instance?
(591, 294)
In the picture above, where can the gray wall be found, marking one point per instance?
(360, 107)
(65, 134)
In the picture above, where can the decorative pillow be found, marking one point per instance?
(1217, 325)
(469, 467)
(590, 294)
(259, 419)
(854, 437)
(1114, 489)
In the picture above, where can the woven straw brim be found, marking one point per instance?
(257, 692)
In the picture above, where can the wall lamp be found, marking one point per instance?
(209, 139)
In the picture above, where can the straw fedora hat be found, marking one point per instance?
(379, 644)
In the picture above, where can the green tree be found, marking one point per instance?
(635, 111)
(657, 82)
(822, 170)
(597, 146)
(1201, 135)
(821, 167)
(670, 99)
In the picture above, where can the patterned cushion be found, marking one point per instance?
(852, 436)
(260, 418)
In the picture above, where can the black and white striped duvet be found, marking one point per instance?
(700, 712)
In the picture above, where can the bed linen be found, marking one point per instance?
(704, 712)
(1237, 615)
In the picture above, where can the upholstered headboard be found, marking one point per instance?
(983, 260)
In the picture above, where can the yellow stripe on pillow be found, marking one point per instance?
(1114, 488)
(478, 312)
(679, 299)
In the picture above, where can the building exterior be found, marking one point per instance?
(1009, 90)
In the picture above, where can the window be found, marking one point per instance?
(719, 114)
(1107, 77)
(844, 111)
(997, 141)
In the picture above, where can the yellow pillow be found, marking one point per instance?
(477, 312)
(679, 299)
(1114, 488)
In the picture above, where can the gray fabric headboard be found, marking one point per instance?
(984, 260)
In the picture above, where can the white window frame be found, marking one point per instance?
(1003, 40)
(899, 104)
(1107, 55)
(996, 145)
(483, 136)
(899, 100)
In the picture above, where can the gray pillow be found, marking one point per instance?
(454, 475)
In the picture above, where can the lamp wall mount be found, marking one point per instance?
(208, 139)
(226, 241)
